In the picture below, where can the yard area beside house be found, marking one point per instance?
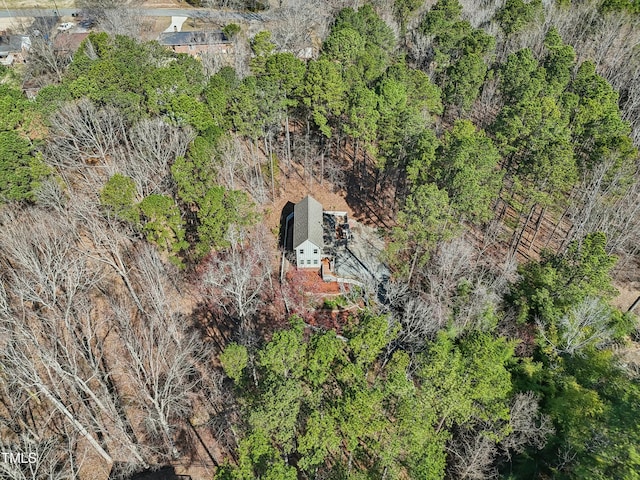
(327, 255)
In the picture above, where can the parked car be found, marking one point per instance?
(87, 23)
(66, 26)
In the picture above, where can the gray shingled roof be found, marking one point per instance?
(11, 43)
(192, 38)
(307, 222)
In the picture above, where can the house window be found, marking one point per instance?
(308, 262)
(301, 251)
(315, 251)
(315, 262)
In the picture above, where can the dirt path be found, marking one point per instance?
(629, 292)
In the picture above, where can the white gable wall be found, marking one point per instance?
(308, 255)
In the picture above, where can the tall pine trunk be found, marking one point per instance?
(538, 224)
(518, 237)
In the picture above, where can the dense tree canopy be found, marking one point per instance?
(20, 170)
(315, 395)
(458, 53)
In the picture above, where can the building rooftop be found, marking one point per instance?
(307, 222)
(192, 38)
(13, 43)
(69, 42)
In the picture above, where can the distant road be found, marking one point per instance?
(217, 15)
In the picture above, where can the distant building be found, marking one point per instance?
(196, 43)
(13, 48)
(308, 233)
(68, 43)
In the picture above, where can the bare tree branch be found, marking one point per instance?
(236, 278)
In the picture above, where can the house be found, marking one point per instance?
(68, 43)
(13, 48)
(196, 43)
(308, 233)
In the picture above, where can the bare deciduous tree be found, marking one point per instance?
(472, 456)
(51, 281)
(300, 25)
(50, 195)
(39, 460)
(608, 202)
(586, 324)
(160, 355)
(213, 62)
(161, 358)
(109, 243)
(154, 145)
(53, 336)
(236, 278)
(233, 161)
(528, 426)
(47, 61)
(123, 21)
(460, 287)
(38, 249)
(28, 372)
(98, 8)
(83, 134)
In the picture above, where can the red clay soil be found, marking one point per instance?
(310, 282)
(308, 290)
(330, 320)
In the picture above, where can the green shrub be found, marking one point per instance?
(231, 30)
(335, 303)
(118, 197)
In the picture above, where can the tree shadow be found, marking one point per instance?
(369, 192)
(153, 473)
(217, 326)
(285, 238)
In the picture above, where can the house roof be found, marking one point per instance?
(13, 43)
(307, 222)
(192, 38)
(69, 42)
